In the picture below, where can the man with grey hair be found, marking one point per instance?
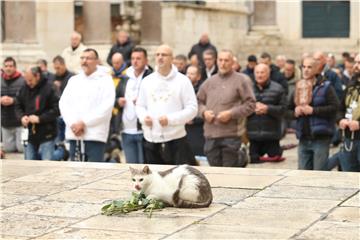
(225, 100)
(72, 53)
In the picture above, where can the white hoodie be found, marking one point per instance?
(172, 96)
(89, 99)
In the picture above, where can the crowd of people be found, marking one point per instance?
(185, 108)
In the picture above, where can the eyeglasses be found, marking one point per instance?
(162, 54)
(87, 58)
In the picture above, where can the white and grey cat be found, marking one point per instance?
(182, 186)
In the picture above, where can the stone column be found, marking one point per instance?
(20, 39)
(151, 22)
(20, 22)
(97, 27)
(96, 22)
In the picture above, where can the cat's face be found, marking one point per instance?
(140, 178)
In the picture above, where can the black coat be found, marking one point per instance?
(41, 101)
(10, 88)
(267, 126)
(199, 49)
(125, 49)
(277, 76)
(63, 80)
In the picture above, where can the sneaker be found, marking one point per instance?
(288, 146)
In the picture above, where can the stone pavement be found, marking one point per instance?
(62, 200)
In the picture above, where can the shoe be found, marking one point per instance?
(288, 146)
(272, 159)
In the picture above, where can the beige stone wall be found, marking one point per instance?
(182, 25)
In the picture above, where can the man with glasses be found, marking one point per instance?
(86, 105)
(166, 102)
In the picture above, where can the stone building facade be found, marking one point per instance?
(34, 29)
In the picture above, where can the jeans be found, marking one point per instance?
(133, 147)
(350, 160)
(43, 151)
(313, 154)
(94, 150)
(223, 152)
(60, 130)
(11, 139)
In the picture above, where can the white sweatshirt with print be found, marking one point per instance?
(172, 96)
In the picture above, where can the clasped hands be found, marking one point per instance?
(78, 128)
(25, 120)
(223, 117)
(303, 110)
(353, 125)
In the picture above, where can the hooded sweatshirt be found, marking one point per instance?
(172, 96)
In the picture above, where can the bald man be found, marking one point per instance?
(225, 100)
(324, 73)
(264, 125)
(200, 47)
(165, 104)
(123, 45)
(73, 53)
(315, 120)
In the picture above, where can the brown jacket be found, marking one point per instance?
(233, 92)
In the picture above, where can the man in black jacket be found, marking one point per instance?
(123, 45)
(37, 107)
(200, 47)
(11, 82)
(264, 125)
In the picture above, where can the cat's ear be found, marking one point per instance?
(132, 170)
(146, 170)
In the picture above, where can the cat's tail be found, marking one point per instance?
(180, 203)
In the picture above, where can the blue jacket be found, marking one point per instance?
(321, 122)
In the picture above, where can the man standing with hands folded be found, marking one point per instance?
(225, 100)
(166, 102)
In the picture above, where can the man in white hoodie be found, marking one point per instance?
(86, 105)
(165, 103)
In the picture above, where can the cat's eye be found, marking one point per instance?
(141, 179)
(133, 179)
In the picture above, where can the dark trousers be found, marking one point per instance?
(260, 148)
(223, 152)
(173, 152)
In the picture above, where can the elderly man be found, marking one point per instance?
(314, 107)
(165, 104)
(72, 53)
(86, 106)
(200, 47)
(123, 45)
(324, 72)
(225, 100)
(211, 68)
(11, 82)
(264, 125)
(37, 108)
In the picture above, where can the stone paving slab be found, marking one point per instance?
(211, 231)
(62, 200)
(240, 181)
(281, 204)
(78, 233)
(279, 191)
(354, 201)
